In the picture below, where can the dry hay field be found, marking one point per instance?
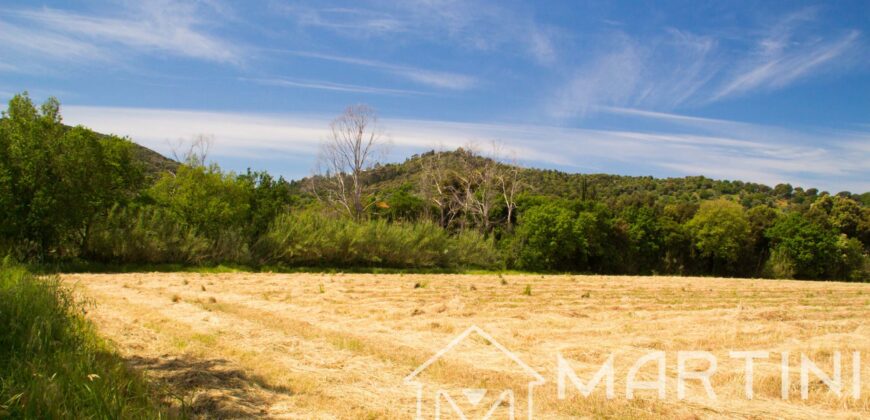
(314, 346)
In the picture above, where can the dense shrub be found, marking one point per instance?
(818, 251)
(205, 198)
(811, 249)
(147, 234)
(779, 265)
(52, 365)
(852, 263)
(313, 239)
(549, 237)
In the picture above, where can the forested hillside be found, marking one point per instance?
(617, 189)
(551, 220)
(69, 194)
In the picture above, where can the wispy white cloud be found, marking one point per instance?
(25, 40)
(541, 45)
(677, 68)
(612, 78)
(779, 66)
(149, 26)
(661, 115)
(358, 22)
(337, 87)
(467, 24)
(685, 64)
(438, 79)
(771, 159)
(658, 73)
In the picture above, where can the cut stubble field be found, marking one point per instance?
(341, 345)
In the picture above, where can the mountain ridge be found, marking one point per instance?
(602, 186)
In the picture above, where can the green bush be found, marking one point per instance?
(549, 238)
(810, 247)
(852, 262)
(779, 265)
(313, 239)
(205, 198)
(720, 233)
(145, 235)
(52, 365)
(554, 237)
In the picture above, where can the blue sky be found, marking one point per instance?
(759, 91)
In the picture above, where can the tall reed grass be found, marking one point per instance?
(314, 239)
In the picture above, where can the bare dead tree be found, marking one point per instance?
(476, 192)
(466, 186)
(486, 180)
(435, 186)
(192, 152)
(355, 138)
(511, 185)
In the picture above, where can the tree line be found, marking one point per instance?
(73, 194)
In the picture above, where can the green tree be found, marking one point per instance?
(852, 262)
(760, 218)
(845, 216)
(55, 181)
(399, 204)
(811, 249)
(720, 231)
(269, 197)
(216, 205)
(599, 242)
(549, 238)
(206, 198)
(31, 139)
(646, 238)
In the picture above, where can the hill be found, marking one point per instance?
(155, 163)
(614, 190)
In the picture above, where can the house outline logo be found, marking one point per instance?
(474, 396)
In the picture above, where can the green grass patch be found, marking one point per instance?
(80, 266)
(52, 363)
